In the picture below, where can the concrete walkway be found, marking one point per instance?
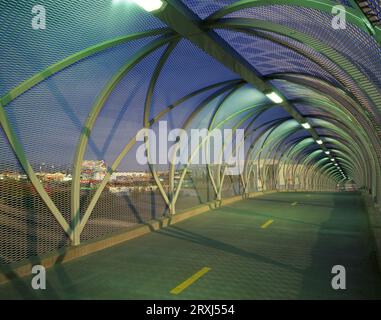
(279, 246)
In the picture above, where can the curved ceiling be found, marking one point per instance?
(82, 89)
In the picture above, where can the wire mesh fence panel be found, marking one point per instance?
(71, 26)
(131, 195)
(194, 189)
(231, 186)
(204, 8)
(123, 204)
(48, 119)
(27, 226)
(253, 179)
(264, 55)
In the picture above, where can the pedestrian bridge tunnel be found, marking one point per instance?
(235, 98)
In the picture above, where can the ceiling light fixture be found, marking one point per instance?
(274, 97)
(148, 5)
(306, 125)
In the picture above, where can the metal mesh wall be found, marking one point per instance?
(197, 188)
(231, 187)
(186, 70)
(345, 3)
(204, 8)
(365, 53)
(50, 135)
(27, 227)
(129, 198)
(265, 55)
(71, 27)
(49, 118)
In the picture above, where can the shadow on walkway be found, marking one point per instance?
(356, 253)
(186, 235)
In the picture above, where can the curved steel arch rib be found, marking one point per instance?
(90, 122)
(372, 99)
(353, 16)
(226, 85)
(310, 141)
(347, 104)
(33, 81)
(74, 58)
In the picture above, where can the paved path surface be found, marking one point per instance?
(279, 246)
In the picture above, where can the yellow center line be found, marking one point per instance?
(294, 203)
(182, 286)
(265, 225)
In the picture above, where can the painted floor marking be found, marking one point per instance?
(265, 225)
(182, 286)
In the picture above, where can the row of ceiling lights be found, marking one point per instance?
(276, 98)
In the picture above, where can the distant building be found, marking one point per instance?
(129, 176)
(57, 176)
(67, 177)
(120, 176)
(93, 170)
(13, 176)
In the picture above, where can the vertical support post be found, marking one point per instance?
(172, 202)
